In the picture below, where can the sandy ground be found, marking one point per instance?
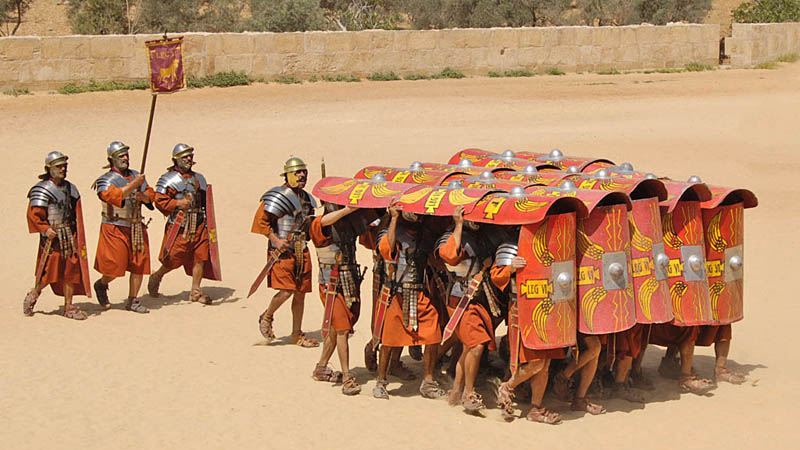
(189, 376)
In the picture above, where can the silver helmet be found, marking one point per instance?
(55, 158)
(179, 152)
(115, 151)
(55, 166)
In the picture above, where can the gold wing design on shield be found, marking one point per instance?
(611, 185)
(715, 239)
(369, 173)
(586, 246)
(380, 190)
(539, 246)
(638, 240)
(338, 188)
(676, 292)
(646, 291)
(589, 303)
(715, 291)
(539, 318)
(414, 197)
(670, 237)
(526, 206)
(422, 177)
(459, 198)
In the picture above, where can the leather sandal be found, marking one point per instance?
(135, 305)
(324, 373)
(73, 312)
(624, 392)
(300, 339)
(153, 284)
(265, 326)
(349, 386)
(583, 404)
(29, 302)
(505, 396)
(379, 391)
(431, 389)
(101, 290)
(728, 376)
(694, 384)
(472, 402)
(197, 296)
(543, 415)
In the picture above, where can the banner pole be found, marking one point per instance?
(149, 128)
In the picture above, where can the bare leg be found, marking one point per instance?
(384, 357)
(472, 362)
(328, 347)
(722, 373)
(68, 291)
(539, 383)
(687, 381)
(687, 357)
(458, 381)
(429, 358)
(298, 305)
(278, 299)
(721, 350)
(343, 349)
(588, 364)
(622, 369)
(197, 275)
(107, 279)
(526, 371)
(134, 285)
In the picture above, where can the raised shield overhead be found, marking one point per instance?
(361, 193)
(470, 154)
(519, 207)
(723, 224)
(405, 175)
(682, 223)
(484, 180)
(439, 200)
(214, 269)
(557, 159)
(82, 253)
(648, 260)
(530, 177)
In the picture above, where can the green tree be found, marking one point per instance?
(11, 12)
(285, 15)
(767, 11)
(98, 16)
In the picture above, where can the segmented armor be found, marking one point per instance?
(59, 201)
(342, 253)
(130, 211)
(503, 256)
(407, 271)
(194, 186)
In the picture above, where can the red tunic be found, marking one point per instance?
(282, 276)
(395, 334)
(184, 252)
(59, 268)
(475, 326)
(713, 334)
(115, 253)
(501, 277)
(343, 318)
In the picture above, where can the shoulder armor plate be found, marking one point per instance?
(280, 201)
(442, 240)
(41, 194)
(201, 180)
(505, 253)
(171, 179)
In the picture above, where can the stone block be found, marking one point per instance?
(608, 36)
(237, 43)
(549, 36)
(51, 48)
(111, 46)
(401, 40)
(9, 71)
(314, 42)
(194, 65)
(646, 34)
(288, 43)
(479, 60)
(18, 48)
(566, 36)
(471, 38)
(264, 43)
(381, 39)
(422, 40)
(338, 41)
(583, 36)
(532, 57)
(504, 38)
(214, 46)
(233, 63)
(695, 34)
(194, 44)
(530, 37)
(78, 47)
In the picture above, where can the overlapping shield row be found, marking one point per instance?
(606, 246)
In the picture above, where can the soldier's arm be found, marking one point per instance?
(37, 219)
(318, 235)
(450, 251)
(334, 216)
(166, 203)
(112, 195)
(501, 276)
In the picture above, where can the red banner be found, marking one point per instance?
(165, 59)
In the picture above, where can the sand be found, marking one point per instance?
(192, 376)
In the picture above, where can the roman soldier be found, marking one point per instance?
(284, 217)
(334, 235)
(123, 245)
(411, 318)
(472, 303)
(54, 211)
(184, 197)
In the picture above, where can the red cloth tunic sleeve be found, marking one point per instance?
(388, 254)
(112, 196)
(368, 238)
(450, 253)
(150, 193)
(37, 219)
(165, 202)
(501, 276)
(317, 232)
(262, 221)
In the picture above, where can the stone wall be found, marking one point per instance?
(47, 62)
(755, 43)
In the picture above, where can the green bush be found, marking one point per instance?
(341, 78)
(447, 72)
(17, 92)
(356, 15)
(285, 15)
(288, 80)
(697, 67)
(383, 76)
(767, 11)
(98, 16)
(554, 71)
(417, 76)
(101, 86)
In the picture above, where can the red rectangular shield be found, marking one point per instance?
(605, 286)
(724, 230)
(685, 247)
(215, 271)
(82, 253)
(546, 294)
(649, 263)
(165, 60)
